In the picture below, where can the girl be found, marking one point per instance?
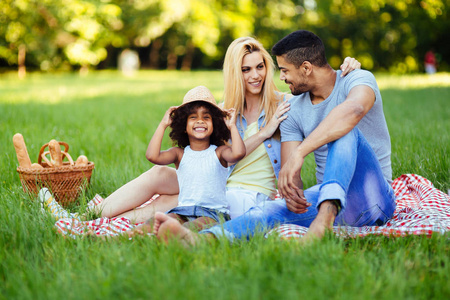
(200, 158)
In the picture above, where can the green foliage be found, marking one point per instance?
(384, 35)
(110, 119)
(57, 34)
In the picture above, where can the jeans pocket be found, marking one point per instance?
(371, 217)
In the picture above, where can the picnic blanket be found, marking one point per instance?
(421, 210)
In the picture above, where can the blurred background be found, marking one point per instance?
(401, 36)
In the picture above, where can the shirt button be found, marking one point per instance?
(269, 145)
(275, 161)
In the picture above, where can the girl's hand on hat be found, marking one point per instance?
(230, 119)
(167, 120)
(278, 117)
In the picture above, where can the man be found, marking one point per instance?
(341, 120)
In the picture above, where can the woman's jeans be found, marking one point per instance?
(352, 175)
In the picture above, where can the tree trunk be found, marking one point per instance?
(22, 71)
(154, 54)
(171, 61)
(84, 70)
(186, 65)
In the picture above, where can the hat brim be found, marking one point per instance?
(202, 102)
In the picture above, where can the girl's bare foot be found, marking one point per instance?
(167, 228)
(157, 222)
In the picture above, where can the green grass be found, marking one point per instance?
(110, 119)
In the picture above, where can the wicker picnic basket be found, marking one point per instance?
(65, 182)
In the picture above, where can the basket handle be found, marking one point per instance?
(63, 153)
(66, 150)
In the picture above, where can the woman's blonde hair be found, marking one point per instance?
(234, 92)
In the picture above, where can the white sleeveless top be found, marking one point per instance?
(202, 179)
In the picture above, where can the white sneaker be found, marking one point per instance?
(43, 195)
(48, 203)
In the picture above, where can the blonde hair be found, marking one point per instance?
(234, 86)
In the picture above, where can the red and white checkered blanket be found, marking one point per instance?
(421, 210)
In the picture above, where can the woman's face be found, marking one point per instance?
(254, 73)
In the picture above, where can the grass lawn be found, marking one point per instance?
(110, 119)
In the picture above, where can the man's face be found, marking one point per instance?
(292, 76)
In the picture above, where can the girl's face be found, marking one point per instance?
(199, 124)
(254, 73)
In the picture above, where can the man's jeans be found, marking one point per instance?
(352, 175)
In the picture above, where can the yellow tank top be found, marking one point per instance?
(254, 172)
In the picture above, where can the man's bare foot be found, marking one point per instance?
(323, 221)
(167, 228)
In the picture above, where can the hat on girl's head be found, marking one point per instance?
(199, 93)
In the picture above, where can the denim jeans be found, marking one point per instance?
(352, 175)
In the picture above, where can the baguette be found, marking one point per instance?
(36, 166)
(55, 153)
(21, 151)
(81, 161)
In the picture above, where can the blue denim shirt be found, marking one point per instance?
(273, 145)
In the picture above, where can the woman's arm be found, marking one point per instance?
(266, 132)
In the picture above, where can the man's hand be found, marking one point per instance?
(290, 185)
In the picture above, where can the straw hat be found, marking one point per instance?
(199, 93)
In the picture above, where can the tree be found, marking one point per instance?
(390, 35)
(55, 33)
(26, 27)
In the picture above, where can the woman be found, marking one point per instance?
(248, 88)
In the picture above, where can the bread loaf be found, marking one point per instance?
(21, 151)
(55, 153)
(81, 161)
(36, 166)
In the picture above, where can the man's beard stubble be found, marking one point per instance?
(295, 90)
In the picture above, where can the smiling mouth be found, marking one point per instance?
(256, 84)
(200, 129)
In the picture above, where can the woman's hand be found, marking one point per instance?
(167, 120)
(278, 117)
(349, 64)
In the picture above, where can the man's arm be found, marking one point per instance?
(340, 121)
(295, 200)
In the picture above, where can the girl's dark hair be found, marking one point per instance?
(179, 136)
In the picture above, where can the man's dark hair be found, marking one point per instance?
(179, 136)
(300, 46)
